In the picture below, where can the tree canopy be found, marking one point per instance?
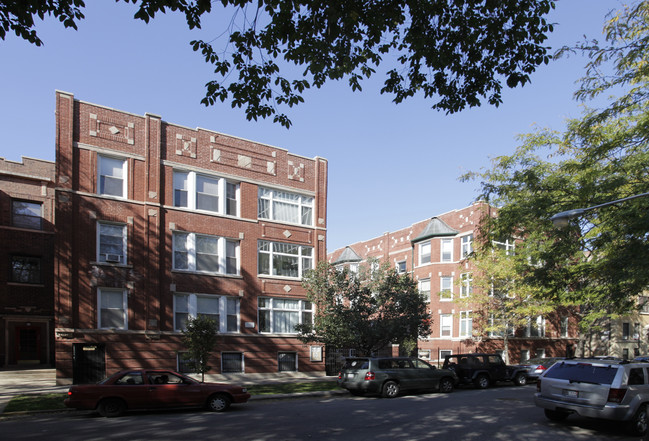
(366, 310)
(600, 261)
(458, 53)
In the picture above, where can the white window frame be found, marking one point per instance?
(564, 327)
(466, 323)
(424, 354)
(191, 251)
(446, 246)
(110, 257)
(425, 253)
(271, 311)
(305, 260)
(443, 353)
(305, 206)
(443, 282)
(102, 160)
(466, 285)
(189, 181)
(508, 245)
(467, 245)
(424, 290)
(540, 325)
(401, 266)
(100, 307)
(525, 355)
(192, 301)
(446, 321)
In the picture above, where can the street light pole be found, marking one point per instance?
(561, 220)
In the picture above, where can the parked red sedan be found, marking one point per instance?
(152, 388)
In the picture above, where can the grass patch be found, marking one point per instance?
(26, 403)
(291, 388)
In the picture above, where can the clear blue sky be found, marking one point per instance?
(389, 165)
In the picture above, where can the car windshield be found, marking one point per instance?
(357, 363)
(583, 373)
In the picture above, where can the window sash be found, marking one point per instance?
(424, 253)
(202, 253)
(283, 259)
(26, 269)
(27, 215)
(112, 308)
(284, 206)
(466, 324)
(224, 310)
(446, 325)
(467, 245)
(446, 250)
(232, 362)
(111, 243)
(112, 176)
(279, 316)
(446, 288)
(424, 289)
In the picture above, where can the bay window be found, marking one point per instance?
(280, 316)
(206, 193)
(283, 259)
(424, 253)
(283, 206)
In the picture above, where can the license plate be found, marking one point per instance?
(570, 393)
(350, 375)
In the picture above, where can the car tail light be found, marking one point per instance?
(69, 393)
(616, 395)
(340, 375)
(369, 375)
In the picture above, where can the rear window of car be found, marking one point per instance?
(583, 372)
(357, 363)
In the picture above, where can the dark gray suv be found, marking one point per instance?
(389, 376)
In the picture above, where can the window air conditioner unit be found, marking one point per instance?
(113, 258)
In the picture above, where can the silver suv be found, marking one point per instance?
(389, 376)
(596, 388)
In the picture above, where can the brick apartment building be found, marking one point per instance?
(27, 257)
(434, 252)
(157, 223)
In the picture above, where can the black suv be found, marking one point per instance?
(389, 376)
(484, 369)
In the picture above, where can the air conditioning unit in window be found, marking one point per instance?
(113, 258)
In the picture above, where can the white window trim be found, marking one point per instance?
(271, 215)
(124, 307)
(300, 310)
(441, 325)
(124, 255)
(464, 244)
(191, 254)
(124, 172)
(540, 322)
(466, 284)
(300, 257)
(421, 255)
(423, 293)
(441, 250)
(192, 307)
(468, 318)
(441, 289)
(192, 178)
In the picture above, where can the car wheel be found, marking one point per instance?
(390, 389)
(520, 379)
(482, 381)
(218, 402)
(555, 415)
(111, 407)
(639, 423)
(446, 385)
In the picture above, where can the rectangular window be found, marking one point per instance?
(443, 353)
(287, 361)
(27, 215)
(626, 330)
(446, 325)
(424, 289)
(467, 245)
(424, 253)
(564, 326)
(536, 327)
(112, 308)
(26, 269)
(446, 289)
(111, 243)
(206, 193)
(112, 176)
(447, 250)
(232, 362)
(401, 267)
(283, 259)
(222, 309)
(643, 301)
(283, 206)
(525, 355)
(466, 324)
(205, 254)
(280, 316)
(540, 353)
(506, 245)
(466, 284)
(424, 354)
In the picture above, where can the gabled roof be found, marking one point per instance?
(435, 228)
(348, 255)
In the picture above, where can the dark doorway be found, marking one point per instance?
(28, 345)
(88, 363)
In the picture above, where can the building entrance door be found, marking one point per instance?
(28, 345)
(88, 363)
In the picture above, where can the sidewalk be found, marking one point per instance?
(42, 381)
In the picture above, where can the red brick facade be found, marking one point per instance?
(446, 265)
(27, 260)
(142, 207)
